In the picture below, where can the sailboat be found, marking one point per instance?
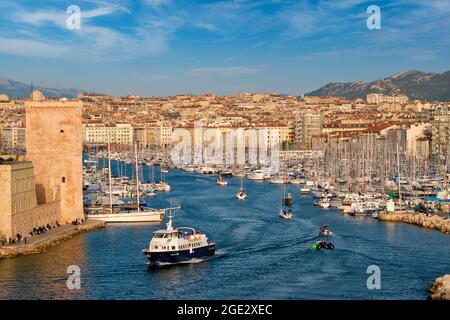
(241, 195)
(162, 185)
(286, 206)
(151, 191)
(130, 213)
(221, 181)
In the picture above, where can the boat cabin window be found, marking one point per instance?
(158, 235)
(173, 247)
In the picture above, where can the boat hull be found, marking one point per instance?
(128, 217)
(180, 256)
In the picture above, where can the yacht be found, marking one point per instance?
(180, 245)
(126, 213)
(256, 175)
(129, 214)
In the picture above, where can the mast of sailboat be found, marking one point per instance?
(398, 178)
(109, 174)
(137, 179)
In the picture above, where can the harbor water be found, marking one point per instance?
(259, 255)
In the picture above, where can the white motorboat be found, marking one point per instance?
(324, 203)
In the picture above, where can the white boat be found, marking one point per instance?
(128, 214)
(324, 203)
(144, 215)
(296, 181)
(207, 170)
(241, 195)
(180, 245)
(221, 181)
(286, 205)
(278, 180)
(305, 190)
(150, 193)
(256, 175)
(287, 215)
(162, 187)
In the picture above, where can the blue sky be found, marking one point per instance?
(165, 47)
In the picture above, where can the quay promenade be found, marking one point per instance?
(39, 243)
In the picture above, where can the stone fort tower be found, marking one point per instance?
(54, 145)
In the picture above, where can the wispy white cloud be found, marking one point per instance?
(206, 26)
(32, 48)
(91, 42)
(157, 3)
(226, 71)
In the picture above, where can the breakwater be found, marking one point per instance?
(420, 219)
(440, 289)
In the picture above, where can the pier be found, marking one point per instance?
(41, 243)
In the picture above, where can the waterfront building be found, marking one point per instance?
(310, 124)
(99, 133)
(423, 148)
(140, 136)
(54, 145)
(163, 135)
(12, 138)
(151, 133)
(440, 132)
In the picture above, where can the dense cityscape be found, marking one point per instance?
(224, 150)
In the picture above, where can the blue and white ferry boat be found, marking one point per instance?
(180, 245)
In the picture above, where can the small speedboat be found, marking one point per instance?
(286, 214)
(325, 231)
(322, 245)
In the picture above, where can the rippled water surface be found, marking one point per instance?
(259, 256)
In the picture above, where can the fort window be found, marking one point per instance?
(63, 179)
(61, 131)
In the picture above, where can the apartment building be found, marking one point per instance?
(99, 133)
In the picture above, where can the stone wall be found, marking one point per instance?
(24, 222)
